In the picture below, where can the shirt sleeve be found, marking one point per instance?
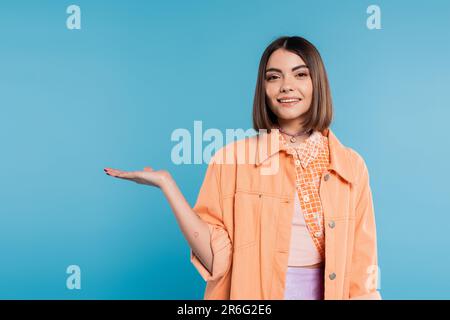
(364, 269)
(209, 208)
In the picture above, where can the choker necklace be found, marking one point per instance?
(293, 136)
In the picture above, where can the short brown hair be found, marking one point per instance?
(320, 113)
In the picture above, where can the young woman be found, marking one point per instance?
(294, 220)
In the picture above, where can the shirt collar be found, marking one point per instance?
(339, 161)
(307, 151)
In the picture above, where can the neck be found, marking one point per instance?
(291, 127)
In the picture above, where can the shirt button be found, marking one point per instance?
(306, 198)
(331, 224)
(297, 162)
(326, 177)
(317, 234)
(332, 276)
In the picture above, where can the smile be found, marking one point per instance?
(289, 102)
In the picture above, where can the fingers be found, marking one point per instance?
(149, 169)
(119, 173)
(110, 172)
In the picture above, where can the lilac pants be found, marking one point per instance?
(304, 284)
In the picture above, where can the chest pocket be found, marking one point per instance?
(247, 217)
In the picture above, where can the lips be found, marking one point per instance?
(289, 101)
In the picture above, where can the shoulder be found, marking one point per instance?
(359, 166)
(236, 152)
(351, 161)
(356, 158)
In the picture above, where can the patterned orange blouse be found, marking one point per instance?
(311, 159)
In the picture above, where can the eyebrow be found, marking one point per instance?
(293, 69)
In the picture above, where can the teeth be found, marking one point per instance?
(289, 100)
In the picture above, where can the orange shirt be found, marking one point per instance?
(249, 205)
(311, 159)
(302, 251)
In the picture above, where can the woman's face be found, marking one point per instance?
(288, 85)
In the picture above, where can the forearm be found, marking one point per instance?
(194, 229)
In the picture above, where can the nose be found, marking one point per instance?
(286, 86)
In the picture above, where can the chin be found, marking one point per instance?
(289, 114)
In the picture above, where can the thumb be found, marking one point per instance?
(149, 169)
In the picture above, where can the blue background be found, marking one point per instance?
(109, 95)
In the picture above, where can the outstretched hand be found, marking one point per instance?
(147, 176)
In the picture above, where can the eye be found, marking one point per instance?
(271, 77)
(302, 74)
